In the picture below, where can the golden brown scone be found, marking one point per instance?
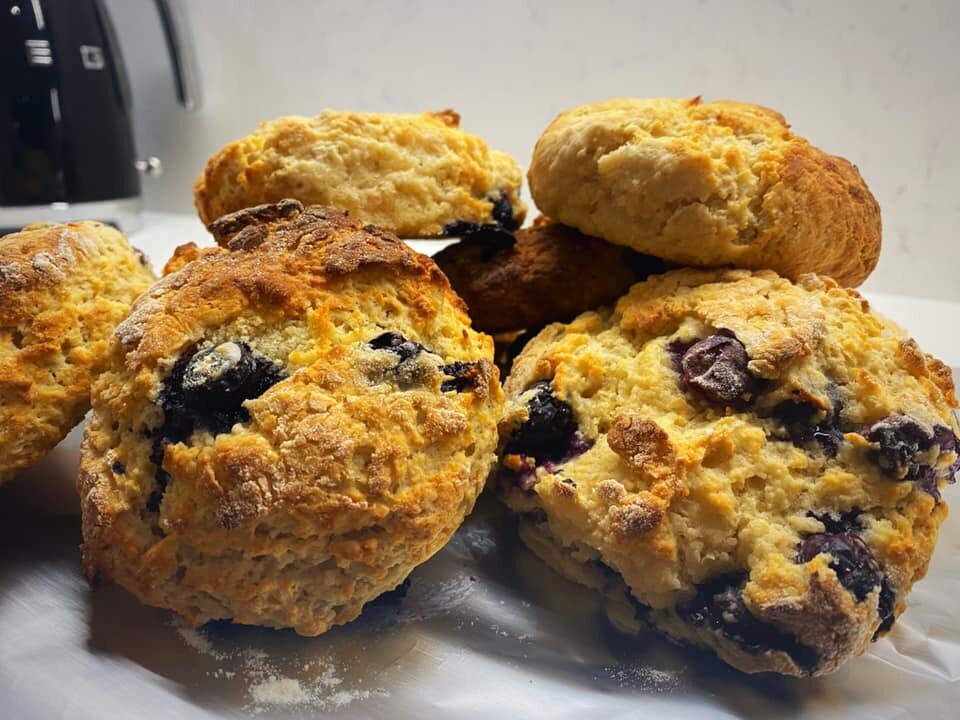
(759, 462)
(287, 425)
(414, 175)
(538, 275)
(63, 289)
(716, 183)
(183, 254)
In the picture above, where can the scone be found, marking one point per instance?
(538, 275)
(710, 184)
(757, 464)
(414, 175)
(63, 289)
(287, 426)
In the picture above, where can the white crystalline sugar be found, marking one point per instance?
(279, 691)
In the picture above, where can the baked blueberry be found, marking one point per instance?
(900, 439)
(206, 390)
(549, 429)
(851, 559)
(719, 605)
(716, 368)
(905, 450)
(462, 376)
(397, 344)
(804, 429)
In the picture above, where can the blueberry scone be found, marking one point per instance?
(287, 425)
(538, 275)
(63, 289)
(414, 175)
(755, 465)
(708, 184)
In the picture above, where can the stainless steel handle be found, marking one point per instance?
(182, 56)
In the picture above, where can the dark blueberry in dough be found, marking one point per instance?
(853, 561)
(205, 391)
(397, 344)
(885, 608)
(716, 367)
(718, 605)
(837, 522)
(676, 350)
(218, 380)
(118, 468)
(503, 212)
(901, 439)
(463, 376)
(927, 480)
(949, 443)
(549, 429)
(798, 419)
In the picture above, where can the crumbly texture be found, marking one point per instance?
(538, 275)
(287, 425)
(414, 175)
(63, 289)
(709, 184)
(759, 462)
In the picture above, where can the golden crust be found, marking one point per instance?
(717, 183)
(410, 174)
(63, 288)
(344, 475)
(551, 273)
(676, 491)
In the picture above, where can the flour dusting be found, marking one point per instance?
(319, 685)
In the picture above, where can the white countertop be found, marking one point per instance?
(934, 324)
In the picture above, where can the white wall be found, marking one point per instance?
(878, 82)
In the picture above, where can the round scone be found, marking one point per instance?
(414, 175)
(287, 426)
(755, 464)
(63, 289)
(538, 275)
(716, 183)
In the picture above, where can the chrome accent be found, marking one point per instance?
(151, 167)
(182, 56)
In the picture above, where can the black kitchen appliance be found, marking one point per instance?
(66, 128)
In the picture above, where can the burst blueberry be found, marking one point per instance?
(205, 391)
(718, 605)
(851, 559)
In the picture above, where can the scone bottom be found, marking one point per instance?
(714, 373)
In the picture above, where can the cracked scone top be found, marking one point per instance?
(759, 462)
(63, 289)
(287, 426)
(414, 175)
(709, 184)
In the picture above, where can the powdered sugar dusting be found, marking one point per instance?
(317, 686)
(279, 691)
